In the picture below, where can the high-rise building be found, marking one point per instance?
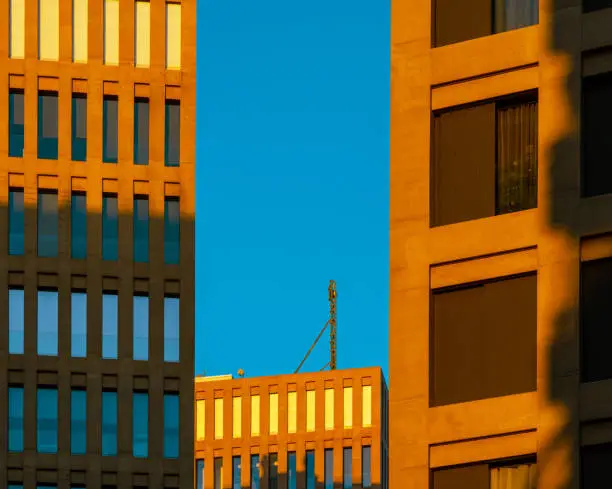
(97, 152)
(501, 244)
(325, 429)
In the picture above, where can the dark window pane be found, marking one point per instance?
(469, 477)
(78, 422)
(218, 473)
(141, 131)
(173, 133)
(78, 318)
(171, 231)
(596, 314)
(347, 468)
(199, 474)
(596, 141)
(291, 471)
(329, 468)
(47, 224)
(255, 472)
(595, 466)
(310, 469)
(47, 125)
(140, 424)
(171, 329)
(592, 5)
(79, 127)
(514, 14)
(109, 423)
(461, 21)
(110, 320)
(478, 332)
(110, 228)
(273, 471)
(522, 475)
(47, 322)
(16, 118)
(46, 420)
(110, 130)
(141, 327)
(78, 226)
(236, 473)
(366, 466)
(16, 222)
(15, 419)
(171, 425)
(141, 229)
(16, 321)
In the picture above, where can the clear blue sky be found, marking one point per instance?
(292, 183)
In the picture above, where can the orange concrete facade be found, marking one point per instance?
(329, 410)
(552, 240)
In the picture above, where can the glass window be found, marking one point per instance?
(110, 131)
(141, 229)
(47, 224)
(110, 227)
(143, 34)
(236, 473)
(173, 36)
(15, 486)
(16, 120)
(15, 419)
(140, 424)
(46, 420)
(273, 471)
(171, 329)
(78, 226)
(329, 468)
(347, 468)
(310, 469)
(273, 424)
(47, 322)
(291, 411)
(218, 418)
(48, 30)
(366, 467)
(78, 422)
(17, 28)
(171, 425)
(366, 406)
(78, 319)
(348, 407)
(291, 471)
(79, 121)
(172, 228)
(329, 409)
(141, 128)
(522, 475)
(513, 14)
(218, 473)
(255, 415)
(255, 472)
(47, 125)
(16, 321)
(173, 133)
(79, 31)
(200, 419)
(237, 416)
(310, 410)
(110, 320)
(199, 474)
(16, 222)
(109, 423)
(141, 327)
(111, 32)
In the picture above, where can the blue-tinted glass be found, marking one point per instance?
(141, 229)
(173, 133)
(199, 474)
(310, 469)
(16, 222)
(140, 424)
(16, 312)
(329, 468)
(171, 425)
(110, 228)
(109, 423)
(171, 231)
(16, 123)
(141, 131)
(78, 226)
(47, 125)
(291, 471)
(46, 420)
(347, 468)
(255, 472)
(47, 224)
(47, 322)
(79, 127)
(171, 329)
(110, 132)
(366, 474)
(78, 422)
(15, 419)
(273, 471)
(15, 486)
(235, 472)
(110, 320)
(78, 313)
(141, 327)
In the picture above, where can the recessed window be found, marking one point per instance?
(110, 227)
(47, 125)
(110, 322)
(218, 413)
(48, 223)
(200, 420)
(236, 417)
(199, 477)
(16, 320)
(329, 468)
(347, 468)
(46, 420)
(16, 119)
(47, 322)
(80, 24)
(171, 426)
(141, 228)
(172, 231)
(255, 415)
(141, 327)
(366, 466)
(109, 423)
(173, 133)
(310, 410)
(17, 28)
(110, 131)
(16, 222)
(292, 411)
(329, 409)
(310, 469)
(171, 328)
(78, 226)
(78, 320)
(218, 473)
(111, 32)
(143, 34)
(15, 419)
(173, 36)
(273, 471)
(595, 463)
(48, 30)
(592, 5)
(291, 471)
(348, 407)
(140, 424)
(487, 475)
(78, 421)
(255, 472)
(79, 126)
(141, 128)
(273, 410)
(236, 472)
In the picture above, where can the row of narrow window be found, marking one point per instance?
(48, 226)
(266, 467)
(48, 322)
(48, 413)
(48, 119)
(273, 409)
(48, 32)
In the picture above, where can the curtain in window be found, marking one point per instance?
(514, 14)
(514, 477)
(517, 157)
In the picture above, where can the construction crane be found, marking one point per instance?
(331, 322)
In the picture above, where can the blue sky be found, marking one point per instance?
(292, 183)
